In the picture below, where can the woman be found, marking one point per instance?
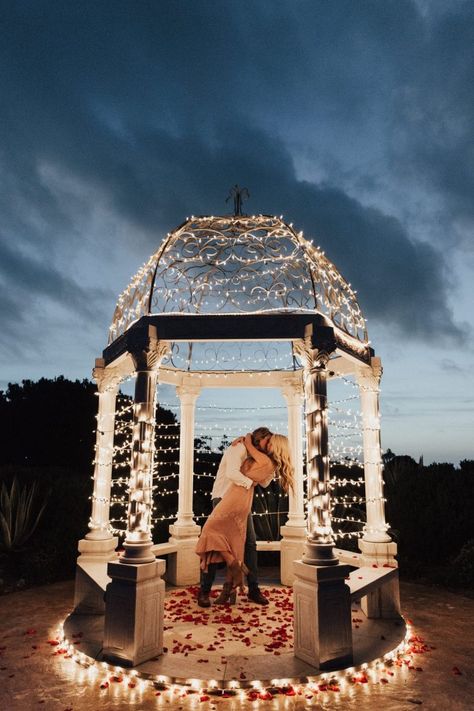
(223, 535)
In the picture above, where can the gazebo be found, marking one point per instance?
(236, 279)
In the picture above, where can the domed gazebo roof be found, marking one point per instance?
(239, 265)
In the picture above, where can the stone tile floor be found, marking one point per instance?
(440, 674)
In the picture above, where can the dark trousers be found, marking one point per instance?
(250, 558)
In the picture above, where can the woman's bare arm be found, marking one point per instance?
(262, 466)
(259, 456)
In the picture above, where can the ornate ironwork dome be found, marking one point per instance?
(236, 265)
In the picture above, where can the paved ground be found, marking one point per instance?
(33, 675)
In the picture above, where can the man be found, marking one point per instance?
(229, 473)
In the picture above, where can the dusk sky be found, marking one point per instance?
(353, 119)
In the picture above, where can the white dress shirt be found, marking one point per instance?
(229, 471)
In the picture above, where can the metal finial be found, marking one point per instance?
(238, 194)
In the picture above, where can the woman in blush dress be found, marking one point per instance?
(223, 535)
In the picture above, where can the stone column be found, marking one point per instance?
(183, 567)
(104, 452)
(138, 543)
(322, 601)
(376, 545)
(98, 546)
(375, 530)
(134, 606)
(187, 395)
(294, 531)
(320, 542)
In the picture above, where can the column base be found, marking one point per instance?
(138, 553)
(378, 552)
(319, 554)
(134, 612)
(184, 530)
(97, 535)
(322, 616)
(183, 566)
(97, 549)
(291, 548)
(91, 574)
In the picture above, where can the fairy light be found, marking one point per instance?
(397, 660)
(257, 264)
(167, 435)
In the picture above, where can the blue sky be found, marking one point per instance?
(353, 120)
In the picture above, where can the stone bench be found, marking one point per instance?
(365, 580)
(160, 549)
(377, 589)
(268, 545)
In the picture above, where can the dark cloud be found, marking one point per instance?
(434, 109)
(160, 108)
(23, 284)
(450, 366)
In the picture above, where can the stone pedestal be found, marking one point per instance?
(183, 566)
(385, 601)
(134, 613)
(322, 616)
(91, 575)
(291, 548)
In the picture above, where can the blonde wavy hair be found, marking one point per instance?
(279, 451)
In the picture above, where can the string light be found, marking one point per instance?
(344, 454)
(396, 659)
(229, 265)
(258, 264)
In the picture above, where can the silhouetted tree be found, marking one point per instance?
(48, 423)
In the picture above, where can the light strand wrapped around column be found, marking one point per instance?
(320, 541)
(138, 542)
(108, 380)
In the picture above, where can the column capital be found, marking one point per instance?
(313, 357)
(107, 379)
(292, 391)
(369, 378)
(320, 359)
(188, 393)
(303, 349)
(148, 355)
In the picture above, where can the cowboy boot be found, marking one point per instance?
(227, 595)
(203, 598)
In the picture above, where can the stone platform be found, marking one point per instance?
(35, 673)
(241, 643)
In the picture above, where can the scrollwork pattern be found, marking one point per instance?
(238, 264)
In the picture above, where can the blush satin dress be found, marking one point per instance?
(226, 528)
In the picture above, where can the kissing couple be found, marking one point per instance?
(228, 536)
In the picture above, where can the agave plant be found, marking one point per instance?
(20, 513)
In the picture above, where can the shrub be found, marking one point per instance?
(462, 572)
